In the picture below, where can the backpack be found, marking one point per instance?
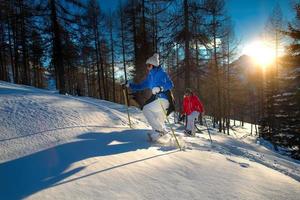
(171, 100)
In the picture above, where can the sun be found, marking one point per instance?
(262, 54)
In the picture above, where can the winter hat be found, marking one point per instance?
(153, 60)
(188, 91)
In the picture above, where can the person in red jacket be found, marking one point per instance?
(192, 107)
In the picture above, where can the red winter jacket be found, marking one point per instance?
(192, 103)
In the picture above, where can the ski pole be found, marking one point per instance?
(170, 125)
(126, 102)
(207, 130)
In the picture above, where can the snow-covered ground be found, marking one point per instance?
(63, 147)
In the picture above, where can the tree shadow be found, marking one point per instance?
(27, 175)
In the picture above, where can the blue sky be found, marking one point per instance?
(250, 16)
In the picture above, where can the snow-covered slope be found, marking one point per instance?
(62, 147)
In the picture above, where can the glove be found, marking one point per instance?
(181, 117)
(157, 90)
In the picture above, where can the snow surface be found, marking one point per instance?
(63, 147)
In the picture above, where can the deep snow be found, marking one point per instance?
(63, 147)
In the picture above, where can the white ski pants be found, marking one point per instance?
(155, 114)
(191, 121)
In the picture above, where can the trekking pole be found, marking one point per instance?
(207, 130)
(126, 102)
(177, 142)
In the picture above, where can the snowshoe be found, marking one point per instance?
(188, 133)
(154, 136)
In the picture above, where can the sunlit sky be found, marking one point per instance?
(249, 17)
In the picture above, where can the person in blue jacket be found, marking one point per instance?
(160, 83)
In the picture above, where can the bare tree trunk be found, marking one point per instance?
(216, 69)
(123, 53)
(112, 59)
(256, 131)
(26, 71)
(133, 18)
(106, 92)
(186, 44)
(97, 52)
(3, 65)
(103, 77)
(57, 48)
(228, 90)
(10, 49)
(16, 53)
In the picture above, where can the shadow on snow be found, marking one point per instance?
(25, 176)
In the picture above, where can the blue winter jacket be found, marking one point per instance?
(157, 77)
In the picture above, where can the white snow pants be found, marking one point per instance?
(155, 114)
(191, 121)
